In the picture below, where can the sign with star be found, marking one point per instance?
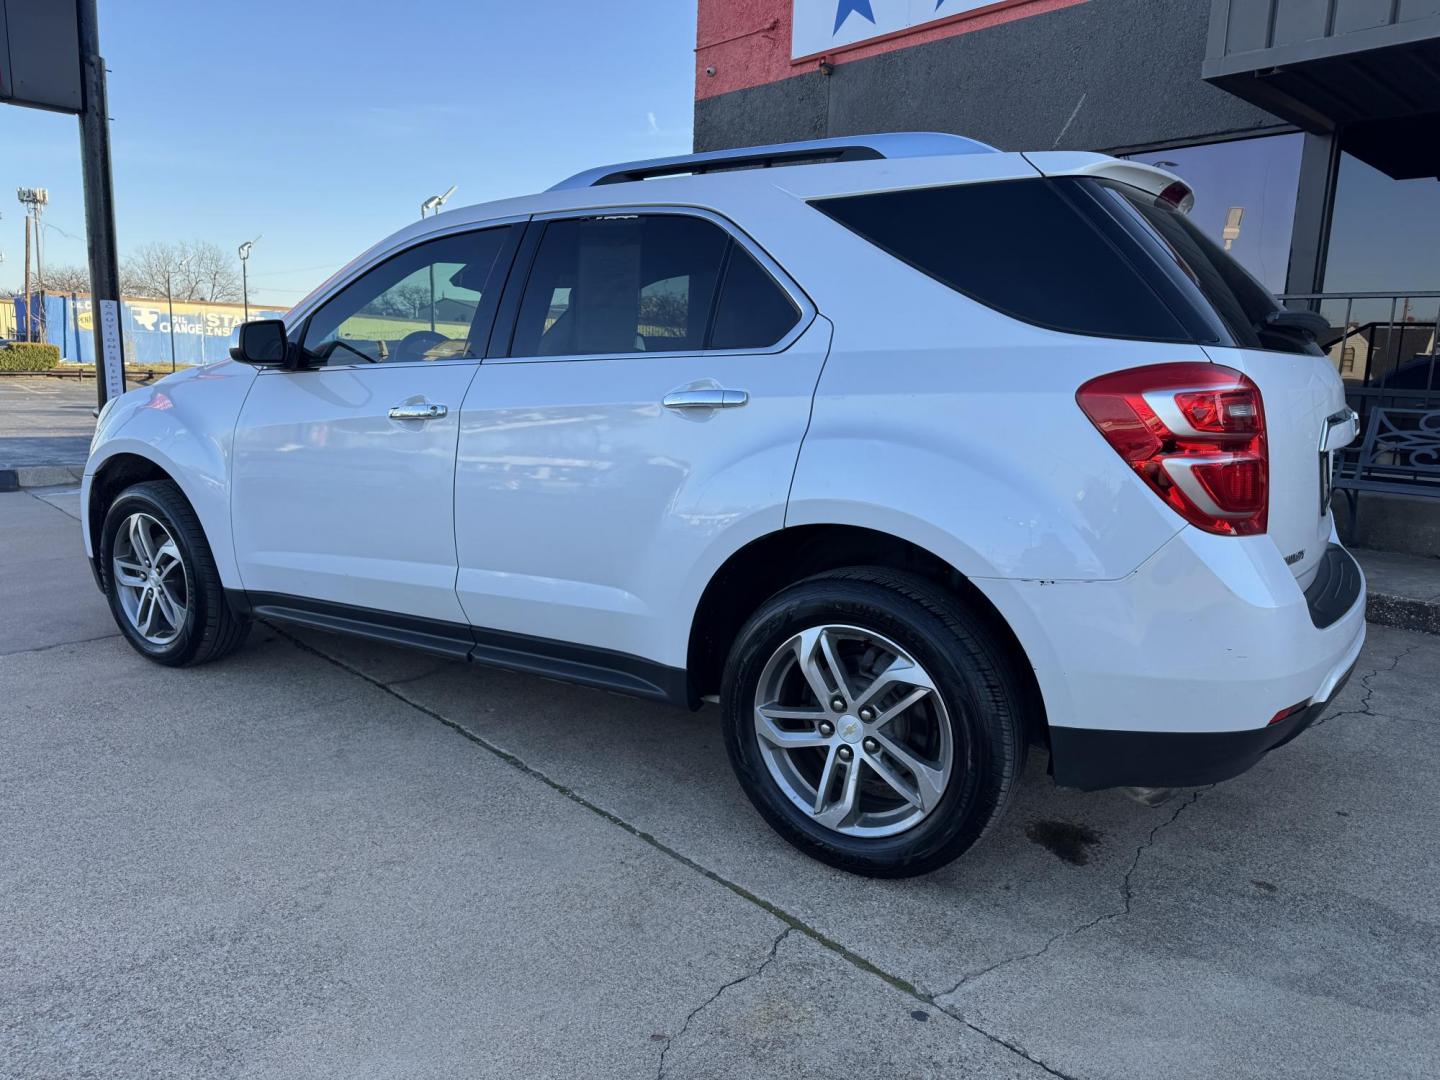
(824, 25)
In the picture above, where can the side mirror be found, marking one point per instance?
(262, 343)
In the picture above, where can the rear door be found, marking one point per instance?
(645, 421)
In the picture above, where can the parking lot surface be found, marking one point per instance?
(327, 858)
(45, 421)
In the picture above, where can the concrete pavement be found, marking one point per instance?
(324, 857)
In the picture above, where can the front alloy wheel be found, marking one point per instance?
(150, 579)
(161, 579)
(853, 732)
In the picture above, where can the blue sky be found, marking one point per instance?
(322, 124)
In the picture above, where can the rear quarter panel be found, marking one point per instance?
(956, 428)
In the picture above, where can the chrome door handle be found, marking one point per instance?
(421, 411)
(705, 399)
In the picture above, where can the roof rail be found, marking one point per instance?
(851, 148)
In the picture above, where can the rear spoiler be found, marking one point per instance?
(1166, 187)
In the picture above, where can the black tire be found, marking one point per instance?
(211, 628)
(976, 680)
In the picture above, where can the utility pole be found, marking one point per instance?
(40, 334)
(99, 208)
(33, 199)
(29, 309)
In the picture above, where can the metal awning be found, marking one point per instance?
(1369, 69)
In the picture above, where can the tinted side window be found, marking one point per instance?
(622, 284)
(753, 312)
(431, 302)
(1019, 246)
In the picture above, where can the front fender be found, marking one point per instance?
(185, 425)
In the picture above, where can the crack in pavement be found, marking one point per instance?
(769, 958)
(1364, 709)
(1127, 892)
(436, 670)
(61, 644)
(1127, 895)
(792, 922)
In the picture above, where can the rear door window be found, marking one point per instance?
(621, 284)
(754, 312)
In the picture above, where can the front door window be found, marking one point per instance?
(431, 302)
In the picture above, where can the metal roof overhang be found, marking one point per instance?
(1378, 87)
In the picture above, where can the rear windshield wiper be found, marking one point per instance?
(1306, 322)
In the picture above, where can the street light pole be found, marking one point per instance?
(433, 204)
(170, 303)
(245, 274)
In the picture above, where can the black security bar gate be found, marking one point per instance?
(1385, 347)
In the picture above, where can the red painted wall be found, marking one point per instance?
(747, 42)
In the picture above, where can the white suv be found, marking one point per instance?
(917, 454)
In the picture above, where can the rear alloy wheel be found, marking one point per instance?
(853, 731)
(874, 720)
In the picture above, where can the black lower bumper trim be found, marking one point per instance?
(1092, 760)
(1335, 588)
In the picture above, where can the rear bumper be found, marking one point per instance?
(1094, 760)
(1170, 677)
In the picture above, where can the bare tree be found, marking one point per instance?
(67, 279)
(198, 270)
(413, 299)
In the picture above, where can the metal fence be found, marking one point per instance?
(1379, 340)
(1384, 346)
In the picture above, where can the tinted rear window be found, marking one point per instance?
(1240, 301)
(1022, 247)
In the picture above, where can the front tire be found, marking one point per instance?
(873, 721)
(161, 580)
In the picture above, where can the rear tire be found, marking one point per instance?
(930, 777)
(161, 580)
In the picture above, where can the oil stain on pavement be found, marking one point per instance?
(1067, 840)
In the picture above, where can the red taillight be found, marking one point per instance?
(1195, 433)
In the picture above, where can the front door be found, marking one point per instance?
(344, 474)
(645, 422)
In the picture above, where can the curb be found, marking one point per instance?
(35, 476)
(1403, 613)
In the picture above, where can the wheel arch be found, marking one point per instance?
(776, 560)
(116, 473)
